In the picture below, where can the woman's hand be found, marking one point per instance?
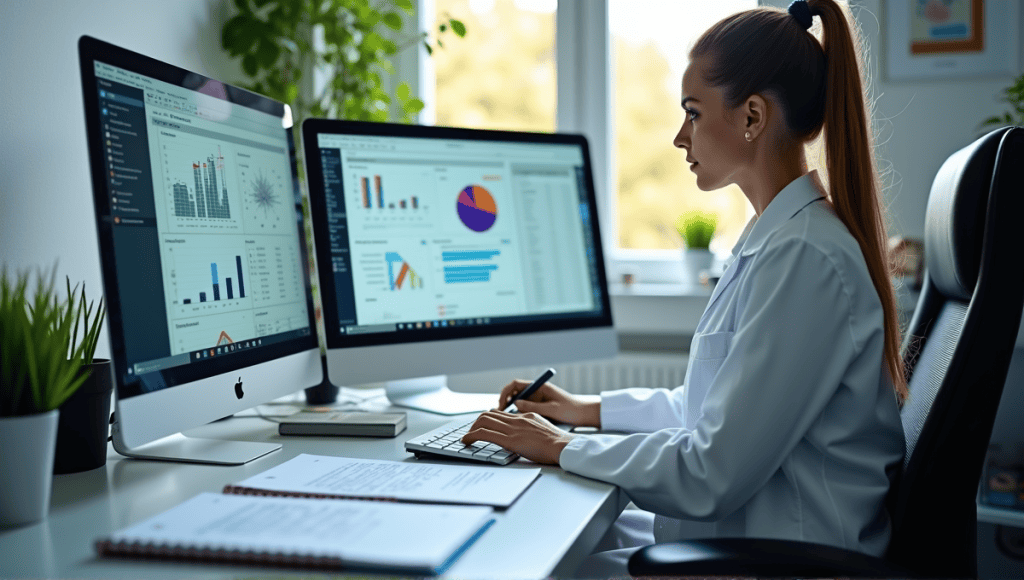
(527, 434)
(554, 403)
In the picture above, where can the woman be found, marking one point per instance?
(787, 425)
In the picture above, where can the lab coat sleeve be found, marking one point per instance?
(792, 345)
(641, 410)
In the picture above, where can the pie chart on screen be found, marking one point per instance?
(477, 208)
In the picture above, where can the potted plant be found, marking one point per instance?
(1015, 97)
(696, 228)
(85, 415)
(36, 376)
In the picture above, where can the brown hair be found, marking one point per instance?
(819, 86)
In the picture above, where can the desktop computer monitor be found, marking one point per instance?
(201, 241)
(444, 250)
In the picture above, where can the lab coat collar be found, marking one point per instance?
(794, 197)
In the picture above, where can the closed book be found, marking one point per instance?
(343, 423)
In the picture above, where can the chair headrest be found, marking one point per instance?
(955, 219)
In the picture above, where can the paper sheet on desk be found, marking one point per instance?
(403, 481)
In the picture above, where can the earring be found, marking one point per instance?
(747, 135)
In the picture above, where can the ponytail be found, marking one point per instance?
(854, 185)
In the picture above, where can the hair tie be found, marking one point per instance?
(802, 12)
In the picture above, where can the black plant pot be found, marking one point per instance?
(325, 393)
(84, 422)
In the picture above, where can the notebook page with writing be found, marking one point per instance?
(302, 531)
(325, 476)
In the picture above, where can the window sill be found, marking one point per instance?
(674, 309)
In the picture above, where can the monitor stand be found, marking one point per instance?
(185, 449)
(431, 394)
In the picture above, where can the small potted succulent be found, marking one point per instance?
(36, 377)
(697, 228)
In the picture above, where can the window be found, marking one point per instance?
(619, 83)
(502, 74)
(650, 43)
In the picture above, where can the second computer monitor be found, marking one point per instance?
(446, 251)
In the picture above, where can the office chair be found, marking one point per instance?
(960, 341)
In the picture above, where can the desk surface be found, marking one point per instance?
(546, 532)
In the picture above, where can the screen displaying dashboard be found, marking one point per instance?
(442, 233)
(201, 224)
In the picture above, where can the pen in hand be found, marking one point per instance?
(525, 393)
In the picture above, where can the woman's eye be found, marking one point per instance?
(692, 114)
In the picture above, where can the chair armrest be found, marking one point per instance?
(756, 557)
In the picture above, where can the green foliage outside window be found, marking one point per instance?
(275, 40)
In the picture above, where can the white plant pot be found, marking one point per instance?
(697, 260)
(27, 445)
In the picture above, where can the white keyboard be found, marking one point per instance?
(447, 440)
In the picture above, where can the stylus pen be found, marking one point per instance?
(531, 389)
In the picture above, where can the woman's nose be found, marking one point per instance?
(682, 139)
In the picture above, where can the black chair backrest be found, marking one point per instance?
(960, 341)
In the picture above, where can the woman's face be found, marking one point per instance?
(711, 136)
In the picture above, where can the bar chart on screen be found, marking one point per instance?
(200, 187)
(242, 288)
(401, 274)
(397, 197)
(208, 281)
(466, 266)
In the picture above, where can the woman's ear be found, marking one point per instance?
(755, 116)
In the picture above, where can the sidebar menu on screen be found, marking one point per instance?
(337, 230)
(129, 177)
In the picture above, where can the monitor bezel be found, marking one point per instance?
(128, 386)
(335, 339)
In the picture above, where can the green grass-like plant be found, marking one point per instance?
(41, 360)
(697, 228)
(91, 320)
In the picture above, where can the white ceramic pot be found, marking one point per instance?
(697, 260)
(27, 445)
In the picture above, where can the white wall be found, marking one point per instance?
(45, 188)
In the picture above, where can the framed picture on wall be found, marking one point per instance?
(942, 39)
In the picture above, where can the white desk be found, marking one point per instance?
(546, 532)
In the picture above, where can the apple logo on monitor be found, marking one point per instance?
(238, 388)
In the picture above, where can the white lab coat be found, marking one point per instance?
(786, 425)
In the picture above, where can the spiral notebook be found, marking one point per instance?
(293, 531)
